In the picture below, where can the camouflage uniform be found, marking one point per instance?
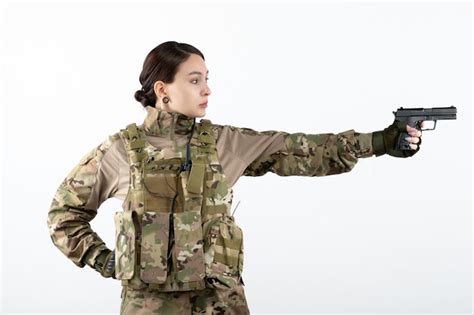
(206, 301)
(178, 248)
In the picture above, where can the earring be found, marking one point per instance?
(166, 99)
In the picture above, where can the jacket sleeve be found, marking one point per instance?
(76, 201)
(312, 154)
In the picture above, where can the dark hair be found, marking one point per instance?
(161, 64)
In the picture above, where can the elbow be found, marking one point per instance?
(347, 161)
(338, 167)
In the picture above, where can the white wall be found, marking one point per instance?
(392, 236)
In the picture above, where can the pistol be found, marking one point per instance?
(414, 116)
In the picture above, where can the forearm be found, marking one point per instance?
(71, 233)
(321, 154)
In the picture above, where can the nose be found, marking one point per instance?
(207, 91)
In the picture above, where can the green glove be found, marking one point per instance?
(385, 141)
(105, 263)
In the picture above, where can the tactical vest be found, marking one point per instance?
(175, 232)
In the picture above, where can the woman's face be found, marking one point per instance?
(188, 90)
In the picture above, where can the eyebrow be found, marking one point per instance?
(197, 72)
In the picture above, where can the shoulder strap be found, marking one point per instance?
(206, 135)
(134, 143)
(203, 140)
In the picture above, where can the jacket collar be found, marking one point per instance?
(161, 123)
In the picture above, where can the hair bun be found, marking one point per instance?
(141, 97)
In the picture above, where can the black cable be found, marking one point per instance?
(184, 167)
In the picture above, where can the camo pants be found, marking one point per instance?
(206, 301)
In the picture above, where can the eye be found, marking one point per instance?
(198, 79)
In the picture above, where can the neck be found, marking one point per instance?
(162, 123)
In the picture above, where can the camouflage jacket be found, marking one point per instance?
(104, 171)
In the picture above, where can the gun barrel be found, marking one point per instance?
(435, 113)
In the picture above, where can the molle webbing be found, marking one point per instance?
(134, 143)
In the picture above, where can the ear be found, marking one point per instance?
(160, 89)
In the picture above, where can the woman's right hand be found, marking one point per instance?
(385, 141)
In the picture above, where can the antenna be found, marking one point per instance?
(235, 207)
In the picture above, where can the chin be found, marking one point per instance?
(200, 115)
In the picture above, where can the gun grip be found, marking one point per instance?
(402, 144)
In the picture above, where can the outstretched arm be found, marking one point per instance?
(314, 154)
(244, 151)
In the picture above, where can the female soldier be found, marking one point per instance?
(177, 248)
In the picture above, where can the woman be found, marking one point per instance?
(178, 249)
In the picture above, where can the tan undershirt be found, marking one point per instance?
(235, 151)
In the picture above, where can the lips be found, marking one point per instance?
(203, 104)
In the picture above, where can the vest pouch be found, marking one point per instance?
(154, 246)
(223, 252)
(125, 237)
(189, 250)
(160, 183)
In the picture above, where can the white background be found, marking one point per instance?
(391, 236)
